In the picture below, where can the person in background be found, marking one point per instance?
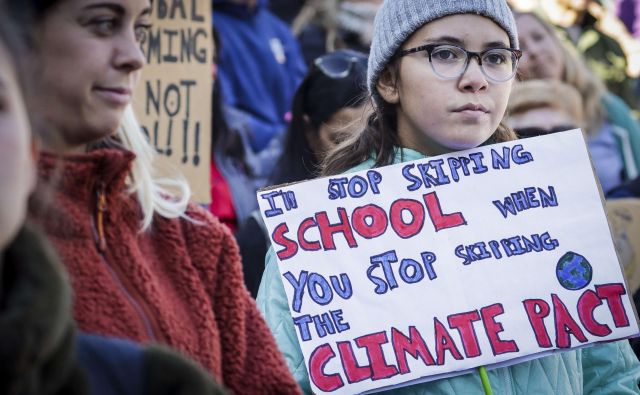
(41, 350)
(539, 107)
(323, 26)
(329, 106)
(425, 104)
(237, 171)
(260, 65)
(613, 135)
(145, 263)
(287, 10)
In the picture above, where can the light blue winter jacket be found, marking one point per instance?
(610, 368)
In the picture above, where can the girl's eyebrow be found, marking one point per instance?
(461, 43)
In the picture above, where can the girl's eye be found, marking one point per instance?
(445, 54)
(495, 58)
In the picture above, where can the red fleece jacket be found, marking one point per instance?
(179, 283)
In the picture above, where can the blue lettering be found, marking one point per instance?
(298, 288)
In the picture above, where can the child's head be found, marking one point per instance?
(538, 107)
(440, 73)
(329, 106)
(330, 98)
(17, 168)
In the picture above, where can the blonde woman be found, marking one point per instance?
(613, 134)
(145, 264)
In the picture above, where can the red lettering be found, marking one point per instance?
(378, 217)
(493, 328)
(327, 230)
(565, 324)
(441, 221)
(352, 370)
(319, 358)
(444, 342)
(373, 343)
(414, 345)
(463, 322)
(406, 230)
(613, 294)
(307, 245)
(537, 310)
(290, 246)
(586, 304)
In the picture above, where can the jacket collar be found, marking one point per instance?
(79, 175)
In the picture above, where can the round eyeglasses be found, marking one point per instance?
(450, 61)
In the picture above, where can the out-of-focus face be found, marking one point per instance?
(542, 56)
(89, 61)
(342, 124)
(17, 168)
(435, 115)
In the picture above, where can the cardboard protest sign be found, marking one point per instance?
(173, 99)
(427, 269)
(624, 218)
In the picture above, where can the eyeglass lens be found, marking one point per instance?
(450, 62)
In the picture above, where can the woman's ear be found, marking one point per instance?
(387, 87)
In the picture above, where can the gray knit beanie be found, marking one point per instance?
(398, 19)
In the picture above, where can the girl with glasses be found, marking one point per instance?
(440, 74)
(145, 263)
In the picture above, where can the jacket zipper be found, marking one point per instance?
(151, 327)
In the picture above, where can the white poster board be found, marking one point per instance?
(430, 268)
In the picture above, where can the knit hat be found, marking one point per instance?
(398, 19)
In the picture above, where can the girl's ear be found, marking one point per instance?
(387, 87)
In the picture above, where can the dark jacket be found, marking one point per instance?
(41, 354)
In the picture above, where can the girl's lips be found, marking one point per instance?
(117, 96)
(471, 108)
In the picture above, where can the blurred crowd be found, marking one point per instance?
(110, 279)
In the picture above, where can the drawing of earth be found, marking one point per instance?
(574, 271)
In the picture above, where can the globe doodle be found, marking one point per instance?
(574, 271)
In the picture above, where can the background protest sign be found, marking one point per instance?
(426, 269)
(624, 218)
(173, 99)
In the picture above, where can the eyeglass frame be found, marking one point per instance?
(353, 59)
(429, 48)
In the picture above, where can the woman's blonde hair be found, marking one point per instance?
(167, 196)
(577, 74)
